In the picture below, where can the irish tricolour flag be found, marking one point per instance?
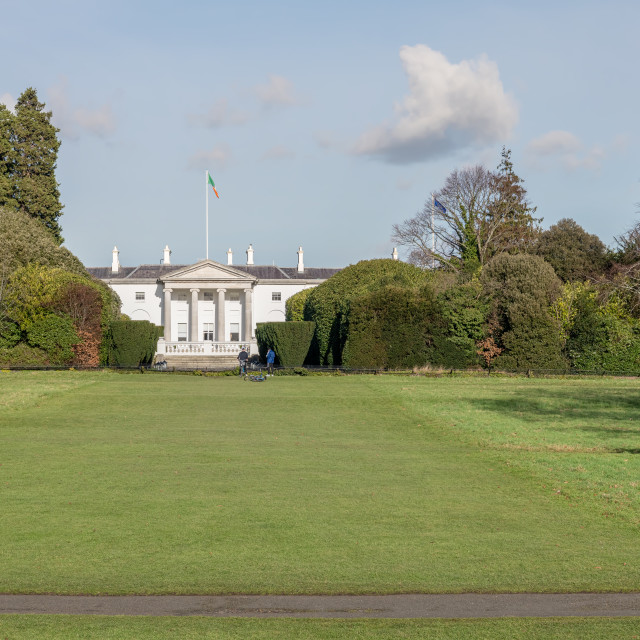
(213, 184)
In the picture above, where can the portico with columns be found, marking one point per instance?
(207, 309)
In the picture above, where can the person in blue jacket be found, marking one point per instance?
(271, 358)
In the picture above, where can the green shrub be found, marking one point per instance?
(464, 309)
(295, 305)
(25, 240)
(132, 342)
(10, 334)
(328, 303)
(400, 328)
(35, 291)
(392, 328)
(573, 253)
(289, 340)
(522, 289)
(602, 337)
(532, 344)
(22, 355)
(55, 335)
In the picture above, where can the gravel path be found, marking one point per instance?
(385, 606)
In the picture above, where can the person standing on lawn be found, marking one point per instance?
(271, 358)
(243, 356)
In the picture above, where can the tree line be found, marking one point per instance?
(52, 311)
(484, 286)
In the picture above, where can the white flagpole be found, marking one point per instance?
(206, 224)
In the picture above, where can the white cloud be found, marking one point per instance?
(73, 122)
(8, 101)
(216, 158)
(278, 152)
(449, 107)
(567, 150)
(277, 92)
(219, 115)
(553, 143)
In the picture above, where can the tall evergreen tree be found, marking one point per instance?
(6, 157)
(35, 151)
(511, 225)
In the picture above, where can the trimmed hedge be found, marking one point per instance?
(328, 303)
(290, 341)
(396, 328)
(132, 342)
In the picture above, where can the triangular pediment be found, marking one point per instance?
(207, 271)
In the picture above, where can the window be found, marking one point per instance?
(207, 329)
(276, 296)
(234, 296)
(139, 295)
(208, 295)
(182, 331)
(235, 331)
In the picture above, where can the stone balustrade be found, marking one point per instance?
(201, 348)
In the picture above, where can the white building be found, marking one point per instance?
(207, 309)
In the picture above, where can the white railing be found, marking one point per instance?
(201, 348)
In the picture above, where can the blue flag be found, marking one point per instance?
(440, 207)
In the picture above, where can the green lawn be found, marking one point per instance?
(30, 627)
(152, 483)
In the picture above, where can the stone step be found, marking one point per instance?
(203, 363)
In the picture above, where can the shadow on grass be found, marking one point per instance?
(593, 411)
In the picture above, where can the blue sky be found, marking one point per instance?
(323, 124)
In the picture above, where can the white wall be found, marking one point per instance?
(266, 310)
(147, 309)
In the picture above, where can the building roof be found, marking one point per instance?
(262, 272)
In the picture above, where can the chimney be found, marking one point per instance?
(394, 255)
(115, 263)
(229, 257)
(167, 255)
(300, 261)
(250, 254)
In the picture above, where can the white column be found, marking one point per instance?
(247, 325)
(250, 254)
(166, 259)
(229, 257)
(193, 316)
(167, 314)
(220, 319)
